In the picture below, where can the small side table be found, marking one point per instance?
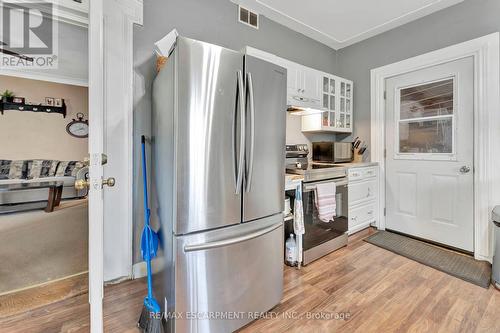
(54, 198)
(55, 193)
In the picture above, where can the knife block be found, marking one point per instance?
(356, 157)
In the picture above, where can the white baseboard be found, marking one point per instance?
(139, 269)
(359, 227)
(483, 258)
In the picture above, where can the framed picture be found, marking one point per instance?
(19, 100)
(58, 101)
(49, 101)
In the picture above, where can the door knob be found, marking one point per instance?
(464, 169)
(109, 182)
(83, 184)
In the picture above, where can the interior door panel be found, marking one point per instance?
(429, 142)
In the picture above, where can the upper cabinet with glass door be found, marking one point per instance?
(344, 117)
(336, 103)
(326, 97)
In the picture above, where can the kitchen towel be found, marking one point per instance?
(298, 214)
(325, 201)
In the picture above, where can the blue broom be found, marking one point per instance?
(151, 317)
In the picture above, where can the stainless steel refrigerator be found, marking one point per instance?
(218, 167)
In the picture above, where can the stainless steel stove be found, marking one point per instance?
(320, 237)
(297, 163)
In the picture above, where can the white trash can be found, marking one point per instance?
(495, 270)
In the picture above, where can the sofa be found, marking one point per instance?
(26, 171)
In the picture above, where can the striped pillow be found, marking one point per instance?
(68, 168)
(4, 169)
(42, 168)
(18, 170)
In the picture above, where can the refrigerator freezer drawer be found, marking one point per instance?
(229, 273)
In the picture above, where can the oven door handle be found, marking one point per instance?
(312, 186)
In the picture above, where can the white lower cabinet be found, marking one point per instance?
(362, 216)
(362, 191)
(363, 197)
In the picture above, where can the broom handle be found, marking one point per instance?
(145, 180)
(146, 216)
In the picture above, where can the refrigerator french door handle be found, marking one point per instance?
(252, 132)
(230, 241)
(238, 168)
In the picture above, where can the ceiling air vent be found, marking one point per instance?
(248, 17)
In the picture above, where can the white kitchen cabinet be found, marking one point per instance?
(310, 88)
(336, 100)
(363, 197)
(303, 86)
(362, 191)
(312, 84)
(361, 216)
(292, 76)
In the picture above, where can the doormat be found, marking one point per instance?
(457, 264)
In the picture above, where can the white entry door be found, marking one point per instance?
(429, 153)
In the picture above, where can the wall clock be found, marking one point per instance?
(79, 128)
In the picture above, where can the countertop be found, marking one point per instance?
(291, 179)
(358, 164)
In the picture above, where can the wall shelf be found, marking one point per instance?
(32, 108)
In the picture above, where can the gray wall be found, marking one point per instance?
(467, 20)
(213, 21)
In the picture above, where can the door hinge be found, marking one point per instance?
(385, 94)
(384, 211)
(385, 153)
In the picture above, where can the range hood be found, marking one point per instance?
(302, 111)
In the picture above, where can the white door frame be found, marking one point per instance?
(119, 19)
(110, 114)
(96, 144)
(485, 52)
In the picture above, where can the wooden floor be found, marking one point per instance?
(372, 289)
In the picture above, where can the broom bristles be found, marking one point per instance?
(150, 322)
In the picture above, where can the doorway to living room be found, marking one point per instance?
(43, 217)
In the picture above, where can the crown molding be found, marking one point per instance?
(337, 43)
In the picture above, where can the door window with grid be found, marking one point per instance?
(426, 120)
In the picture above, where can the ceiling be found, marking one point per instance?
(339, 23)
